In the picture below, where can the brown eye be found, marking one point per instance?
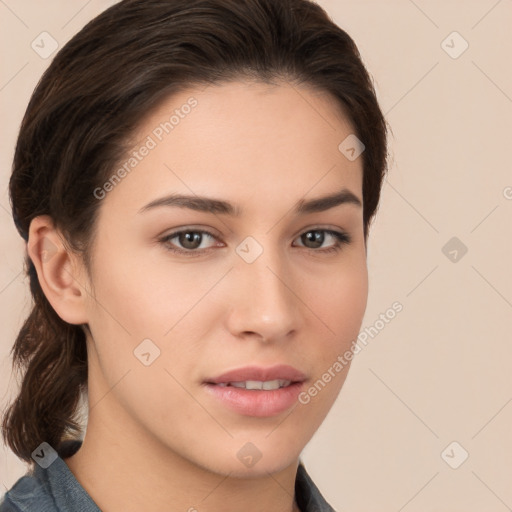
(188, 241)
(313, 239)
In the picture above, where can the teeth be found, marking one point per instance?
(268, 385)
(255, 384)
(238, 384)
(271, 384)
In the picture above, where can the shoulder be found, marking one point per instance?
(7, 506)
(29, 493)
(48, 489)
(309, 498)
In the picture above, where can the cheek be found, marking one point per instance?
(133, 292)
(340, 301)
(155, 300)
(133, 305)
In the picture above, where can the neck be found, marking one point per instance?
(122, 469)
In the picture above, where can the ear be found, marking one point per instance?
(60, 271)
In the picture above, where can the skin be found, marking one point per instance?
(155, 439)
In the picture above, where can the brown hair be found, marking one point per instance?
(86, 107)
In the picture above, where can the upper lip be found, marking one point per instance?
(259, 373)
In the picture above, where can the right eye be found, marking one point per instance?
(190, 240)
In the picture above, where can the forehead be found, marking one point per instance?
(240, 139)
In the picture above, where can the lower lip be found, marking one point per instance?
(259, 403)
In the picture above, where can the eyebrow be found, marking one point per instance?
(218, 206)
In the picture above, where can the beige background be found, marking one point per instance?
(440, 371)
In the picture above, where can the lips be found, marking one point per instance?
(261, 374)
(257, 391)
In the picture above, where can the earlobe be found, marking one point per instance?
(58, 271)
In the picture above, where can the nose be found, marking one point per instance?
(265, 304)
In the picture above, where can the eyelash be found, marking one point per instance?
(341, 237)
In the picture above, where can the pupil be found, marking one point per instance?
(315, 237)
(190, 240)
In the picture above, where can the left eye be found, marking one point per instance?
(317, 238)
(189, 241)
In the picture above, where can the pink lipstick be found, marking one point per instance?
(257, 391)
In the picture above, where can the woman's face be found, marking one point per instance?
(267, 281)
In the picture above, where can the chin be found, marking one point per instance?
(249, 462)
(261, 469)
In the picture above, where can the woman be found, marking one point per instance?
(195, 180)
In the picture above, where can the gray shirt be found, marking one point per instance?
(55, 489)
